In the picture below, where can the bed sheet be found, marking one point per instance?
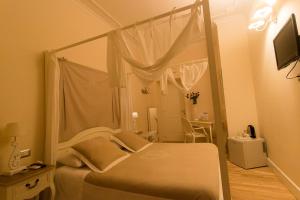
(112, 186)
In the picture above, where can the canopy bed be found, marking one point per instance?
(160, 171)
(148, 48)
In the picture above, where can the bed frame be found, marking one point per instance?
(52, 115)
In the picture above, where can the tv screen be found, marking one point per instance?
(286, 44)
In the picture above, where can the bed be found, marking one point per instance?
(160, 171)
(201, 160)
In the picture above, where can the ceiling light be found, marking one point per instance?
(263, 12)
(257, 25)
(270, 2)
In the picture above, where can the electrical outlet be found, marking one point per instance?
(25, 153)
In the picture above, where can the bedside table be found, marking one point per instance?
(247, 152)
(27, 185)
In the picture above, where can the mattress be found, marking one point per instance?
(162, 171)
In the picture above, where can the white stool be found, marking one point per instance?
(247, 152)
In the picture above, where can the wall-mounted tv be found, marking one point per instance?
(286, 44)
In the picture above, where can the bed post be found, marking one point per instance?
(52, 76)
(220, 126)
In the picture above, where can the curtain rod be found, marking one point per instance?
(129, 26)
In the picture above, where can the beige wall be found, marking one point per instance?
(237, 74)
(194, 52)
(28, 28)
(141, 101)
(278, 99)
(205, 103)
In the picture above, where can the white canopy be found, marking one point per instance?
(151, 47)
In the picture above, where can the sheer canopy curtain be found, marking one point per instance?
(86, 100)
(149, 48)
(76, 98)
(188, 73)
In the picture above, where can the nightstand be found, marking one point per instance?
(27, 185)
(247, 152)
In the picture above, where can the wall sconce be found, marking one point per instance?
(193, 96)
(262, 15)
(145, 90)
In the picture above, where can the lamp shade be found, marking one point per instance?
(11, 130)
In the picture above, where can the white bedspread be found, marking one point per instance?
(72, 183)
(69, 179)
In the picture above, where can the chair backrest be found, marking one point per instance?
(187, 126)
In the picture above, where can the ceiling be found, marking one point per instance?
(124, 12)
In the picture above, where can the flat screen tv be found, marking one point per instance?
(286, 44)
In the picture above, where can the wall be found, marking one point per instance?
(237, 75)
(28, 28)
(278, 99)
(195, 52)
(204, 101)
(142, 102)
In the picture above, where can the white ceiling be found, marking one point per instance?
(126, 12)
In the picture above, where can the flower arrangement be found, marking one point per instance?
(193, 96)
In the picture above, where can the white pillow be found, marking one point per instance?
(99, 154)
(130, 141)
(68, 158)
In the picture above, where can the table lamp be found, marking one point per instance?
(11, 132)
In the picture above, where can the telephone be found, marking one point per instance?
(37, 165)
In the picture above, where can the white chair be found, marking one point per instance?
(190, 131)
